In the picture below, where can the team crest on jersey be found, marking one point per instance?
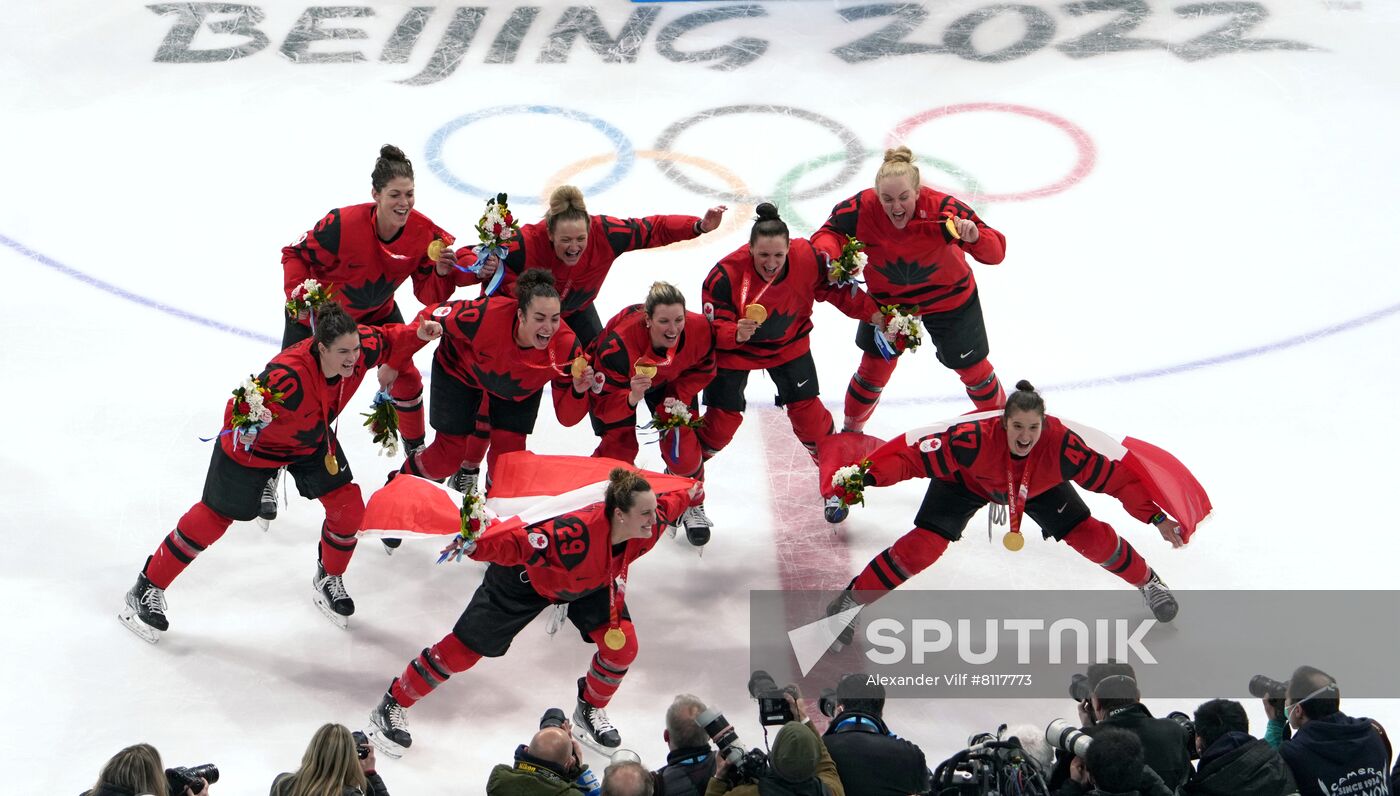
(709, 310)
(442, 312)
(538, 541)
(930, 444)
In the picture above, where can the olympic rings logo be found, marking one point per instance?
(849, 152)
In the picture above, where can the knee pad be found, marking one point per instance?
(720, 427)
(617, 660)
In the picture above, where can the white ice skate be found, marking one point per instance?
(267, 506)
(144, 614)
(388, 728)
(592, 727)
(331, 598)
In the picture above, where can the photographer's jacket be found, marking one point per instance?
(686, 773)
(530, 776)
(1337, 754)
(871, 761)
(1163, 744)
(1240, 765)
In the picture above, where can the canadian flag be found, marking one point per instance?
(526, 488)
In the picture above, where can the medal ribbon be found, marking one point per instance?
(614, 611)
(1013, 493)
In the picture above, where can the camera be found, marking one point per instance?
(773, 708)
(554, 717)
(1190, 727)
(361, 744)
(744, 766)
(827, 702)
(1064, 735)
(990, 764)
(179, 778)
(1079, 689)
(1265, 687)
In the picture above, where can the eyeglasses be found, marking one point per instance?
(1288, 708)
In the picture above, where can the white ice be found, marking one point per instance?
(1235, 202)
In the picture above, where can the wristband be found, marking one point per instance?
(1158, 518)
(698, 229)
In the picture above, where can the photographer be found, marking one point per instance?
(627, 778)
(550, 765)
(800, 764)
(1115, 701)
(1114, 765)
(137, 771)
(691, 761)
(1330, 752)
(1234, 763)
(869, 758)
(336, 761)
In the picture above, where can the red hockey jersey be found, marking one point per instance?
(734, 283)
(920, 266)
(310, 401)
(569, 556)
(608, 239)
(683, 371)
(344, 252)
(478, 347)
(976, 455)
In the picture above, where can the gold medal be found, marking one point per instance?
(435, 249)
(1013, 541)
(332, 466)
(614, 638)
(953, 230)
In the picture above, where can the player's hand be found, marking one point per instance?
(1170, 530)
(387, 375)
(584, 380)
(488, 268)
(712, 218)
(304, 314)
(640, 385)
(747, 327)
(429, 330)
(967, 230)
(878, 321)
(1078, 772)
(246, 438)
(446, 262)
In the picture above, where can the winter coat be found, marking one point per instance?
(872, 761)
(510, 781)
(1163, 744)
(1151, 785)
(282, 785)
(1238, 764)
(1337, 754)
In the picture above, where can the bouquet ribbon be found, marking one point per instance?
(885, 347)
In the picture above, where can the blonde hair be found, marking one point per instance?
(136, 768)
(899, 162)
(328, 766)
(662, 293)
(565, 204)
(623, 486)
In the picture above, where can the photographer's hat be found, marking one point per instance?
(795, 752)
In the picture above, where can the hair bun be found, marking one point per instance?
(1024, 386)
(534, 277)
(767, 211)
(899, 154)
(391, 152)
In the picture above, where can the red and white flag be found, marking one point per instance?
(526, 488)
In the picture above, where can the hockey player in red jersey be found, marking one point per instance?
(580, 559)
(579, 249)
(1024, 459)
(760, 299)
(654, 352)
(507, 349)
(316, 378)
(916, 240)
(362, 253)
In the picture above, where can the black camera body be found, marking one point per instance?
(773, 707)
(361, 744)
(179, 778)
(990, 765)
(1190, 727)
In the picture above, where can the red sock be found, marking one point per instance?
(609, 666)
(345, 508)
(618, 443)
(907, 557)
(720, 427)
(810, 422)
(863, 393)
(431, 669)
(1098, 542)
(407, 392)
(438, 460)
(200, 527)
(502, 442)
(983, 386)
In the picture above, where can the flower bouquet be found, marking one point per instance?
(496, 227)
(849, 483)
(900, 332)
(672, 416)
(474, 519)
(382, 420)
(307, 299)
(254, 407)
(848, 268)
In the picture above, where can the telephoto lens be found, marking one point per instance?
(1266, 687)
(826, 703)
(1061, 734)
(722, 733)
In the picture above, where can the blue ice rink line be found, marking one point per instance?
(1134, 376)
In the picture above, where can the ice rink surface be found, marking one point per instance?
(1201, 252)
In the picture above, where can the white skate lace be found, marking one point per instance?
(598, 718)
(154, 600)
(464, 482)
(394, 716)
(695, 516)
(335, 587)
(269, 494)
(1156, 593)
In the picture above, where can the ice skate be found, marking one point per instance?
(388, 730)
(697, 525)
(144, 614)
(332, 598)
(844, 602)
(835, 511)
(267, 507)
(1159, 598)
(390, 545)
(465, 479)
(592, 727)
